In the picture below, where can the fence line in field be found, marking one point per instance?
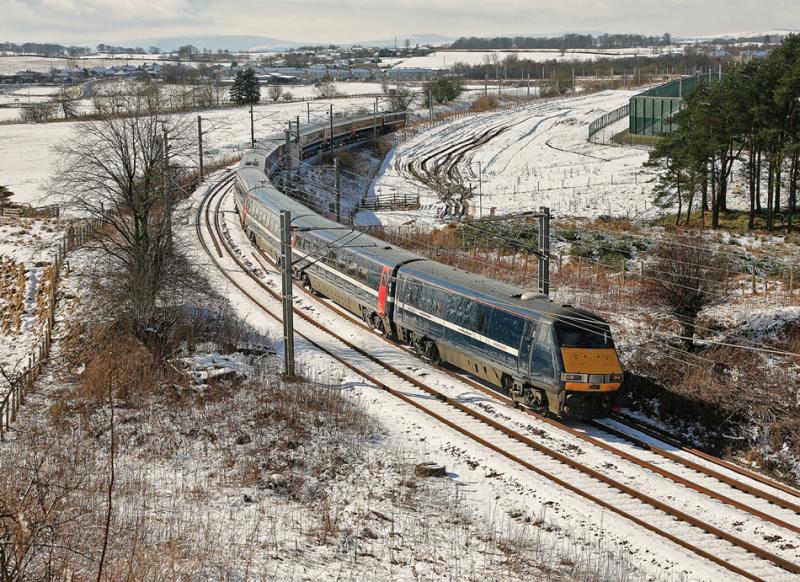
(22, 383)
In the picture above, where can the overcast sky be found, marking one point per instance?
(93, 21)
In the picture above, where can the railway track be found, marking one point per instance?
(648, 511)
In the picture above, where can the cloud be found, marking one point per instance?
(353, 20)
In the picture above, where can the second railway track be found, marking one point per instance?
(710, 541)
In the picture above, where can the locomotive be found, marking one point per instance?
(557, 359)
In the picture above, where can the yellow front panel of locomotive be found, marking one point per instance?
(586, 361)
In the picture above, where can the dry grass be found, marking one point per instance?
(13, 285)
(266, 435)
(744, 405)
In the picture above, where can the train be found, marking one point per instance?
(557, 359)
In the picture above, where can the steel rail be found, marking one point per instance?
(674, 442)
(664, 508)
(599, 443)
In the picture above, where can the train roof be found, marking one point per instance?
(509, 297)
(322, 125)
(303, 217)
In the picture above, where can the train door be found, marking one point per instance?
(523, 362)
(383, 290)
(543, 356)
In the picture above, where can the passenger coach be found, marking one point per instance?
(555, 358)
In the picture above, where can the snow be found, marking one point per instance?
(27, 158)
(541, 158)
(30, 243)
(446, 59)
(10, 65)
(494, 483)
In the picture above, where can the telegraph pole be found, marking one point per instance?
(288, 150)
(480, 189)
(375, 120)
(252, 129)
(331, 116)
(308, 111)
(299, 151)
(286, 284)
(200, 144)
(165, 170)
(544, 250)
(337, 190)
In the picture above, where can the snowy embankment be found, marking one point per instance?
(27, 248)
(495, 489)
(539, 157)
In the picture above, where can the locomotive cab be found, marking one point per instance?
(591, 374)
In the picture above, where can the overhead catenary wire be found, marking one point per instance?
(767, 350)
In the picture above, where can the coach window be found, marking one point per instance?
(469, 314)
(412, 292)
(426, 298)
(506, 328)
(484, 315)
(439, 298)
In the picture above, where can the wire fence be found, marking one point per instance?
(393, 201)
(608, 119)
(27, 211)
(22, 383)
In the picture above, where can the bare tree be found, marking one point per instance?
(275, 92)
(400, 98)
(38, 112)
(115, 172)
(65, 103)
(325, 88)
(686, 276)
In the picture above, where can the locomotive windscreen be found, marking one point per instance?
(584, 333)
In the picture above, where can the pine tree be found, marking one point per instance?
(5, 195)
(245, 89)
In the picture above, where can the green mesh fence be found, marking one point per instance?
(653, 111)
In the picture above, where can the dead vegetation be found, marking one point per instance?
(743, 402)
(13, 285)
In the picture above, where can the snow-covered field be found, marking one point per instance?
(446, 59)
(539, 157)
(10, 65)
(27, 158)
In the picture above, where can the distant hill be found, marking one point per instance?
(264, 43)
(430, 38)
(756, 36)
(231, 42)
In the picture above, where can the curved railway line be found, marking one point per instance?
(725, 489)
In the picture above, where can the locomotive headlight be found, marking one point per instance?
(575, 377)
(615, 378)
